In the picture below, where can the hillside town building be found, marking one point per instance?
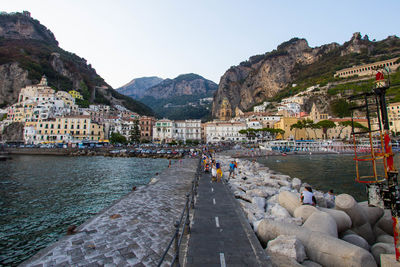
(369, 69)
(53, 117)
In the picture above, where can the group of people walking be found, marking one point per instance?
(211, 165)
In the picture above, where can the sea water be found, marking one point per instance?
(41, 196)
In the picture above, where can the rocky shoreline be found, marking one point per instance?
(342, 232)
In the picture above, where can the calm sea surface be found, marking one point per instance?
(40, 196)
(323, 172)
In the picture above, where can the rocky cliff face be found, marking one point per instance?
(22, 26)
(137, 87)
(264, 76)
(185, 84)
(29, 50)
(12, 79)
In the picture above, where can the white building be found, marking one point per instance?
(293, 109)
(224, 132)
(187, 130)
(262, 107)
(38, 92)
(163, 131)
(29, 134)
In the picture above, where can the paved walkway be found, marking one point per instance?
(133, 232)
(220, 235)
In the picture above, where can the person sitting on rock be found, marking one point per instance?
(307, 197)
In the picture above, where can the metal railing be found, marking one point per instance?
(182, 225)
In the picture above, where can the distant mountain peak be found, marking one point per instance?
(137, 87)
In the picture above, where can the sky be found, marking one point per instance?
(127, 39)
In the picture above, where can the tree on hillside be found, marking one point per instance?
(344, 124)
(135, 132)
(307, 124)
(341, 108)
(250, 133)
(296, 126)
(325, 125)
(117, 138)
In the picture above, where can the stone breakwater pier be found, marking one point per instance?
(133, 232)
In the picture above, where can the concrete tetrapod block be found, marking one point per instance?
(357, 240)
(385, 239)
(321, 248)
(341, 218)
(290, 201)
(366, 232)
(349, 205)
(386, 223)
(382, 248)
(308, 263)
(322, 222)
(304, 211)
(373, 213)
(288, 246)
(378, 231)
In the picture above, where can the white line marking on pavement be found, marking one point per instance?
(212, 189)
(217, 222)
(214, 201)
(222, 259)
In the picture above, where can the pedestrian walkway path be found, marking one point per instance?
(220, 235)
(133, 232)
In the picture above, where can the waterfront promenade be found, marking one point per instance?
(133, 232)
(220, 234)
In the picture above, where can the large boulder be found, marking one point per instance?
(341, 218)
(321, 248)
(290, 201)
(357, 240)
(304, 211)
(321, 222)
(279, 212)
(259, 202)
(382, 248)
(296, 183)
(349, 205)
(288, 246)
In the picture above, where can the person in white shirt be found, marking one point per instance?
(307, 197)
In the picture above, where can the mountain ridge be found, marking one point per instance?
(270, 76)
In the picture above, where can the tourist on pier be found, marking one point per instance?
(219, 172)
(213, 172)
(330, 199)
(307, 197)
(231, 170)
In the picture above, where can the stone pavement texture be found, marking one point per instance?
(136, 235)
(220, 234)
